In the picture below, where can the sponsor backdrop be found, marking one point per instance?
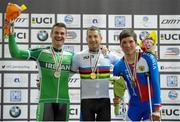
(18, 91)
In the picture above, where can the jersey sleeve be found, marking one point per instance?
(116, 69)
(154, 79)
(30, 54)
(75, 63)
(113, 57)
(15, 51)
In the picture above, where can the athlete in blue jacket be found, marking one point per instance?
(136, 68)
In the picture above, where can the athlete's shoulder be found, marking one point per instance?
(69, 53)
(148, 56)
(81, 53)
(39, 48)
(119, 63)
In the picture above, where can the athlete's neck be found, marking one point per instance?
(131, 58)
(94, 50)
(57, 49)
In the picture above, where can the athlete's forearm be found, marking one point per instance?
(15, 51)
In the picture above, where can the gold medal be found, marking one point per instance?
(56, 74)
(93, 75)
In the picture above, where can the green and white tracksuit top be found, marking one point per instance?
(52, 89)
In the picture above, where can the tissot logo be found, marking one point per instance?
(170, 112)
(170, 21)
(15, 112)
(42, 20)
(21, 35)
(170, 36)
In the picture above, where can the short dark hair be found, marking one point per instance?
(127, 33)
(94, 28)
(58, 25)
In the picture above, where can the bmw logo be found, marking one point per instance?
(42, 35)
(143, 35)
(15, 111)
(68, 19)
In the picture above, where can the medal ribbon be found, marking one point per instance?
(93, 69)
(132, 74)
(58, 63)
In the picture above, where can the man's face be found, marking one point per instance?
(94, 40)
(58, 36)
(128, 45)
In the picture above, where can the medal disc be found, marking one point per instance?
(93, 75)
(56, 74)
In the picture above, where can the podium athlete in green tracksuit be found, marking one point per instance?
(54, 68)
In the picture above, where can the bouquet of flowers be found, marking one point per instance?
(12, 12)
(119, 88)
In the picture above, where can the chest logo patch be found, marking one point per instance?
(141, 68)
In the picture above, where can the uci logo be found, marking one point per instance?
(73, 111)
(21, 35)
(170, 112)
(170, 36)
(41, 20)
